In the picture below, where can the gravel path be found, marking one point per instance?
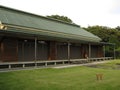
(93, 63)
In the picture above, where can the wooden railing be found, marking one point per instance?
(13, 65)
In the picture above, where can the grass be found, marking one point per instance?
(74, 78)
(115, 64)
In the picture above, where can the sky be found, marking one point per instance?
(82, 12)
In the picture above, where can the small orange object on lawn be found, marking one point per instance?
(99, 76)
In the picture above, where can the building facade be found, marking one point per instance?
(27, 37)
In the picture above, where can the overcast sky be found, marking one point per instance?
(82, 12)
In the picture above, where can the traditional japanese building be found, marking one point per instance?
(27, 37)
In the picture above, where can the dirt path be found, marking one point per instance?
(73, 65)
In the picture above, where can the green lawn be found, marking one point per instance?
(74, 78)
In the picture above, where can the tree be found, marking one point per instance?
(62, 18)
(100, 31)
(118, 28)
(110, 35)
(107, 34)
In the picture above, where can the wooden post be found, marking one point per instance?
(89, 50)
(0, 51)
(23, 51)
(104, 50)
(69, 52)
(35, 51)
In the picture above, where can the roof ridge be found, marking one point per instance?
(25, 12)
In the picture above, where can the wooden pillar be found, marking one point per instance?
(89, 50)
(104, 50)
(52, 50)
(23, 50)
(114, 51)
(0, 52)
(1, 49)
(35, 50)
(69, 51)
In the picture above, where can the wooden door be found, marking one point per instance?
(53, 50)
(9, 50)
(84, 50)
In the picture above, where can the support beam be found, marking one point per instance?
(2, 50)
(23, 51)
(35, 51)
(89, 50)
(9, 66)
(69, 52)
(104, 50)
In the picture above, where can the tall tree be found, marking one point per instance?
(62, 18)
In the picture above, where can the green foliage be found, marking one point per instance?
(118, 49)
(110, 35)
(118, 28)
(62, 18)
